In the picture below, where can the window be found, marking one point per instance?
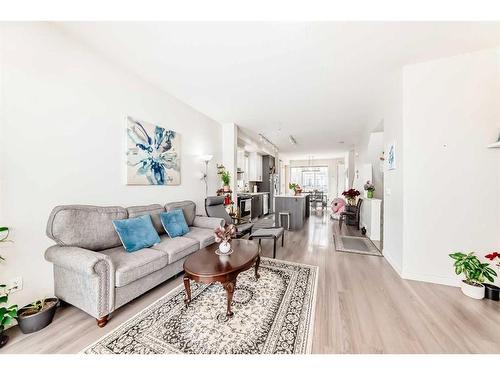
(310, 178)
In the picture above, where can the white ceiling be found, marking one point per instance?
(316, 81)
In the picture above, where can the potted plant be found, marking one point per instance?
(351, 196)
(369, 188)
(226, 180)
(295, 187)
(475, 273)
(492, 291)
(7, 313)
(37, 315)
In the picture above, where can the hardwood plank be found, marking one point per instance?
(363, 306)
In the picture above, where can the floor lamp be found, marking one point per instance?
(206, 159)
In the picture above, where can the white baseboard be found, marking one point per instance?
(392, 263)
(451, 281)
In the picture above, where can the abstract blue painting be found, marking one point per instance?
(153, 154)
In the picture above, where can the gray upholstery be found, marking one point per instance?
(176, 248)
(188, 207)
(153, 210)
(214, 207)
(89, 227)
(202, 235)
(208, 222)
(267, 233)
(84, 278)
(247, 227)
(93, 272)
(132, 266)
(133, 290)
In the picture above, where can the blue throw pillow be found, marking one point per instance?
(136, 233)
(174, 223)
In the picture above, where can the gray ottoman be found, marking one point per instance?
(270, 233)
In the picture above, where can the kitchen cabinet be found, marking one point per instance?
(255, 167)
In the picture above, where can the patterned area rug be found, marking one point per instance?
(356, 245)
(273, 315)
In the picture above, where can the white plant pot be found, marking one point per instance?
(476, 292)
(225, 247)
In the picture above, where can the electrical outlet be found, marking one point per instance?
(15, 285)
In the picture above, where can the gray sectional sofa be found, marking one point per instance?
(92, 270)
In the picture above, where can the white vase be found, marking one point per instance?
(225, 247)
(476, 292)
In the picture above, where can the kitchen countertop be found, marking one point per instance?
(291, 196)
(258, 193)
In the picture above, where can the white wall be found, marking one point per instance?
(229, 154)
(451, 180)
(62, 141)
(387, 113)
(369, 153)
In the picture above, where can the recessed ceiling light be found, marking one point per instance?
(341, 142)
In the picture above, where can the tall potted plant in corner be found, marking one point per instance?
(474, 272)
(7, 313)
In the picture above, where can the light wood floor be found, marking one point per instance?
(363, 306)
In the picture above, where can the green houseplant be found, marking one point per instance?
(7, 313)
(369, 188)
(226, 179)
(295, 187)
(475, 273)
(37, 315)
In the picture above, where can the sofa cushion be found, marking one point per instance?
(188, 208)
(174, 223)
(177, 248)
(204, 236)
(136, 233)
(154, 210)
(89, 227)
(130, 267)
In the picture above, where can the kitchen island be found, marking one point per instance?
(298, 207)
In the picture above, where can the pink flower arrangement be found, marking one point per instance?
(224, 234)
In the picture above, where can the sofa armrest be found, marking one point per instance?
(83, 278)
(208, 222)
(77, 259)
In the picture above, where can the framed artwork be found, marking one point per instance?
(391, 156)
(153, 154)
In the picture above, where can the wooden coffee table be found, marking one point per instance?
(206, 267)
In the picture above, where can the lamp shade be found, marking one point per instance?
(207, 157)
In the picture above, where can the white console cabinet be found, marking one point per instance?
(370, 217)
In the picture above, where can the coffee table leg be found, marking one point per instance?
(187, 287)
(229, 286)
(257, 263)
